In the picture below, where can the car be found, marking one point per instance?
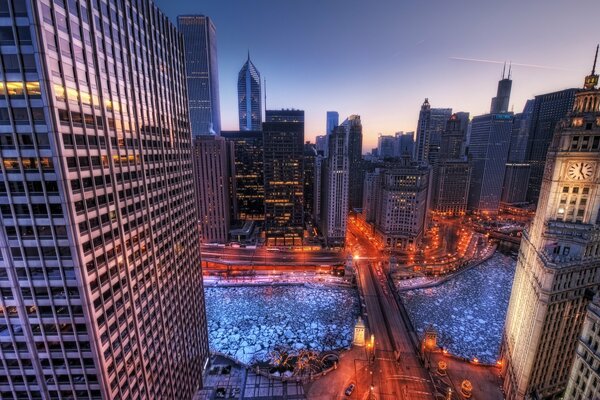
(350, 389)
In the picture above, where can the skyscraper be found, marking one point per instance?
(249, 97)
(212, 157)
(453, 171)
(101, 285)
(558, 270)
(548, 109)
(283, 141)
(501, 101)
(248, 188)
(398, 204)
(334, 189)
(386, 146)
(309, 160)
(488, 153)
(357, 169)
(405, 144)
(333, 120)
(432, 121)
(200, 42)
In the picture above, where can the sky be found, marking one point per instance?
(380, 59)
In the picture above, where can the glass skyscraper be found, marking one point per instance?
(249, 98)
(200, 42)
(100, 283)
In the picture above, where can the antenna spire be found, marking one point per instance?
(509, 69)
(592, 80)
(503, 69)
(595, 59)
(248, 54)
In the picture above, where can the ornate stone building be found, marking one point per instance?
(558, 270)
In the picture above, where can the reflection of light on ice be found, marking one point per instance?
(248, 322)
(468, 312)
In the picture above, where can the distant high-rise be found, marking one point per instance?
(548, 109)
(100, 274)
(333, 120)
(247, 183)
(432, 122)
(283, 142)
(520, 134)
(558, 270)
(450, 186)
(249, 97)
(212, 159)
(405, 145)
(321, 144)
(501, 101)
(386, 146)
(516, 178)
(357, 172)
(200, 42)
(309, 160)
(334, 189)
(488, 153)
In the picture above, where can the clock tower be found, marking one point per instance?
(558, 270)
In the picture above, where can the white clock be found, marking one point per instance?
(580, 171)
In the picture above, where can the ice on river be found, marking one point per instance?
(248, 322)
(468, 311)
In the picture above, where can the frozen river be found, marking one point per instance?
(468, 311)
(248, 322)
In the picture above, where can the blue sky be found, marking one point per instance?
(380, 59)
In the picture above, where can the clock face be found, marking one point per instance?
(580, 171)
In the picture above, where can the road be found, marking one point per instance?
(263, 256)
(392, 379)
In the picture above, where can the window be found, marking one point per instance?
(24, 35)
(7, 37)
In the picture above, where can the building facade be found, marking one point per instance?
(334, 189)
(202, 72)
(432, 122)
(283, 143)
(212, 157)
(558, 270)
(249, 97)
(309, 160)
(516, 179)
(353, 126)
(488, 152)
(584, 379)
(100, 278)
(247, 181)
(333, 120)
(548, 109)
(400, 205)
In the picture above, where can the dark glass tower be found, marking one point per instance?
(249, 97)
(200, 42)
(283, 141)
(500, 102)
(353, 127)
(548, 109)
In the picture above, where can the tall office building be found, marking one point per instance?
(334, 189)
(452, 174)
(405, 144)
(502, 99)
(432, 122)
(548, 109)
(249, 97)
(516, 179)
(357, 168)
(520, 134)
(309, 160)
(212, 157)
(333, 120)
(283, 143)
(558, 270)
(386, 146)
(200, 42)
(247, 183)
(318, 189)
(399, 204)
(321, 144)
(100, 278)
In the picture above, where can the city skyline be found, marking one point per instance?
(427, 58)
